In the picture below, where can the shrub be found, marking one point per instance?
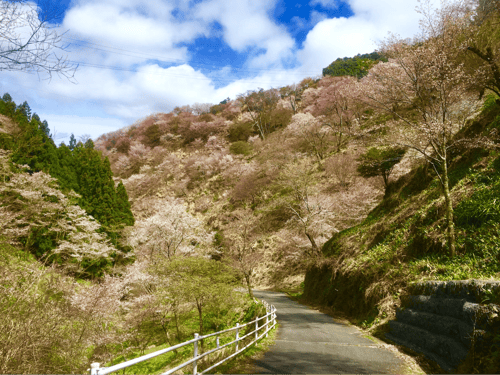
(240, 148)
(240, 131)
(152, 136)
(280, 118)
(123, 145)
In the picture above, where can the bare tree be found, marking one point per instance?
(201, 108)
(259, 104)
(29, 43)
(292, 93)
(311, 211)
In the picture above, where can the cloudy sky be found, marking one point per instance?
(137, 57)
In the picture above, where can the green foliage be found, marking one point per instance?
(72, 142)
(152, 136)
(6, 141)
(356, 66)
(80, 168)
(490, 102)
(218, 240)
(280, 118)
(218, 108)
(123, 205)
(483, 206)
(41, 240)
(240, 131)
(380, 162)
(240, 148)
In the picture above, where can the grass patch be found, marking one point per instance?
(242, 364)
(172, 359)
(403, 239)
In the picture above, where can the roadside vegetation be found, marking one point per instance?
(383, 172)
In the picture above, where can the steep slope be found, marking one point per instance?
(270, 185)
(368, 266)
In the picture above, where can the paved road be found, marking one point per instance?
(312, 342)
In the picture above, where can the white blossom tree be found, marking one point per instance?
(318, 138)
(33, 204)
(311, 210)
(426, 74)
(171, 230)
(241, 237)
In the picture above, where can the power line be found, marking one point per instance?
(168, 74)
(120, 51)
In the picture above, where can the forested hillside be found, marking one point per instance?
(73, 290)
(347, 187)
(391, 159)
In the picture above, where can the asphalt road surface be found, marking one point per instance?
(312, 342)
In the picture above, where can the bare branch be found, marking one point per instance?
(28, 42)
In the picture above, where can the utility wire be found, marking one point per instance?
(168, 74)
(124, 52)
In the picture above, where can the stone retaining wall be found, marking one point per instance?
(448, 321)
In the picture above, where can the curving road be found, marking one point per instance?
(312, 342)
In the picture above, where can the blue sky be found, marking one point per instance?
(137, 57)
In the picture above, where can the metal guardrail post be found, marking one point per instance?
(256, 329)
(94, 368)
(237, 335)
(267, 325)
(270, 319)
(195, 354)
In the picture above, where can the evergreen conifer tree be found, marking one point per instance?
(123, 205)
(72, 142)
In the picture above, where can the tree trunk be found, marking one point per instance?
(386, 179)
(176, 318)
(247, 279)
(450, 230)
(313, 243)
(200, 317)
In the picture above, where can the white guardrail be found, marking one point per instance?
(269, 324)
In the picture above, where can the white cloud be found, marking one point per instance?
(150, 29)
(64, 125)
(372, 21)
(325, 3)
(146, 27)
(333, 38)
(247, 24)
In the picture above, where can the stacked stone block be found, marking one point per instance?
(446, 320)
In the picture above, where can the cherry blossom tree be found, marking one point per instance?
(342, 167)
(311, 130)
(337, 108)
(310, 210)
(241, 237)
(426, 74)
(171, 230)
(52, 225)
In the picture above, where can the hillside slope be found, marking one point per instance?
(367, 267)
